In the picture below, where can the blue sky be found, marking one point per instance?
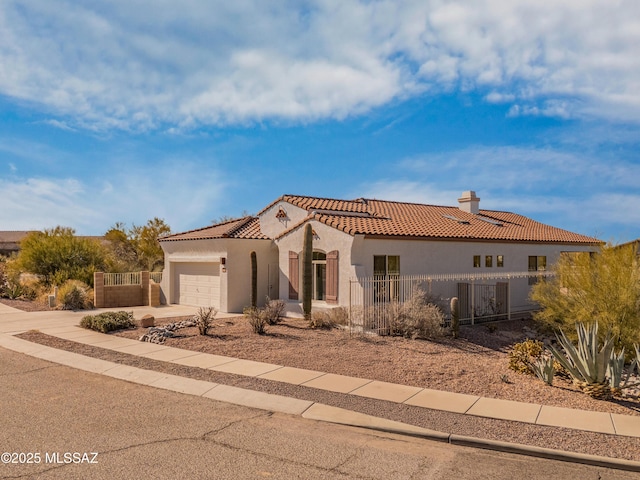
(125, 110)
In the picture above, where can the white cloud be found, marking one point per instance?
(147, 63)
(574, 191)
(183, 196)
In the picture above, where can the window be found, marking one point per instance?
(386, 265)
(499, 261)
(476, 261)
(488, 261)
(537, 264)
(319, 275)
(386, 272)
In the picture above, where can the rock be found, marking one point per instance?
(147, 321)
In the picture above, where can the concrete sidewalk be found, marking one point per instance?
(64, 325)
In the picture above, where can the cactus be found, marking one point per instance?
(307, 271)
(254, 279)
(455, 317)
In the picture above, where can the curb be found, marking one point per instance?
(308, 410)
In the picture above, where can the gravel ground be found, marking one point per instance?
(541, 436)
(475, 364)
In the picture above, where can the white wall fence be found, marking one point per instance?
(129, 278)
(482, 297)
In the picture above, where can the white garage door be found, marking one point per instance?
(197, 284)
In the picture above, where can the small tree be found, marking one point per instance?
(307, 271)
(136, 248)
(57, 255)
(602, 287)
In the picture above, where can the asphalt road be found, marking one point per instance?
(72, 424)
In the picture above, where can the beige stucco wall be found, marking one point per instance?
(238, 274)
(326, 240)
(272, 226)
(417, 257)
(235, 275)
(445, 257)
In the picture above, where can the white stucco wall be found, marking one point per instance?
(422, 257)
(272, 226)
(238, 274)
(327, 239)
(235, 275)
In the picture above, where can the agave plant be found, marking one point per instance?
(544, 368)
(618, 378)
(587, 363)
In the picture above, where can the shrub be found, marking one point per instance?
(108, 321)
(257, 320)
(321, 319)
(74, 295)
(523, 355)
(339, 316)
(418, 317)
(204, 318)
(273, 311)
(604, 287)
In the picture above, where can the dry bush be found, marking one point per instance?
(204, 318)
(273, 311)
(75, 295)
(257, 320)
(321, 319)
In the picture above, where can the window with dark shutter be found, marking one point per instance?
(294, 275)
(332, 277)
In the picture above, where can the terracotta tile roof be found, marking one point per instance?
(410, 220)
(247, 227)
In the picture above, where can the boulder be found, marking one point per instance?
(147, 321)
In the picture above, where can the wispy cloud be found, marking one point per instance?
(147, 64)
(183, 196)
(575, 191)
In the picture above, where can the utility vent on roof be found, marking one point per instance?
(491, 221)
(459, 220)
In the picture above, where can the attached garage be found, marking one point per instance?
(197, 284)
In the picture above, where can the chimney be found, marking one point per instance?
(469, 203)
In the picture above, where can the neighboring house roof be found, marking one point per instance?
(10, 240)
(410, 220)
(246, 227)
(13, 236)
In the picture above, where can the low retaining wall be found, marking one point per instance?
(112, 296)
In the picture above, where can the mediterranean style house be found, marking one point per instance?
(352, 239)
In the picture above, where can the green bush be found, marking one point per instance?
(74, 295)
(523, 355)
(108, 321)
(602, 287)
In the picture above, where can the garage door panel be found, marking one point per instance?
(197, 284)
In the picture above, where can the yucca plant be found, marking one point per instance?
(587, 364)
(544, 368)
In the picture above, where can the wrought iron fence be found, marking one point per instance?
(129, 278)
(374, 302)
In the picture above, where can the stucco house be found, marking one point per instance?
(352, 239)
